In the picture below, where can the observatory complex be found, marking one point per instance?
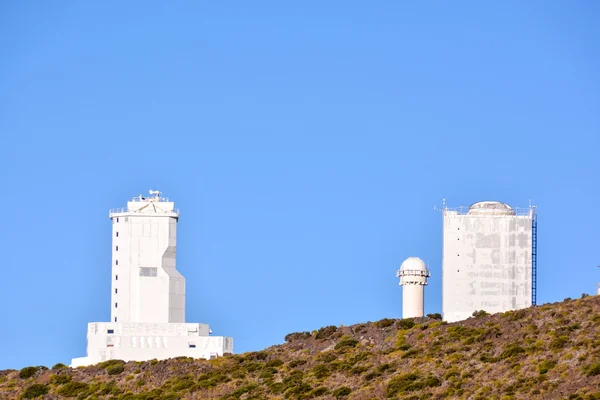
(489, 259)
(147, 292)
(413, 274)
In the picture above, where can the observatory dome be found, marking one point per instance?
(490, 207)
(413, 264)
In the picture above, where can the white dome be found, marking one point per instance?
(490, 207)
(413, 264)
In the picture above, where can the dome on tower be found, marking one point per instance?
(490, 207)
(413, 264)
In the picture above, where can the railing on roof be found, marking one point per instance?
(157, 211)
(463, 210)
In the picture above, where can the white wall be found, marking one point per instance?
(486, 264)
(141, 342)
(145, 237)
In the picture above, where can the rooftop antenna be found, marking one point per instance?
(156, 192)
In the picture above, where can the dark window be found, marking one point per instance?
(117, 234)
(116, 290)
(116, 262)
(109, 331)
(117, 248)
(117, 219)
(192, 346)
(115, 319)
(116, 277)
(116, 305)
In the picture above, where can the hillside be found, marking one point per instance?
(547, 352)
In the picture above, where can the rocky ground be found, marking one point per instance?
(545, 352)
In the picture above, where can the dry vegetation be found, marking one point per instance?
(547, 352)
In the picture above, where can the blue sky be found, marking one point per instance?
(305, 144)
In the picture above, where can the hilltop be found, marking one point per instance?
(545, 352)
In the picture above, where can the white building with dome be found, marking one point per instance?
(147, 292)
(489, 259)
(413, 274)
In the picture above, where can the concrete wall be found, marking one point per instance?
(141, 342)
(146, 286)
(486, 264)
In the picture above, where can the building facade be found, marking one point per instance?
(147, 292)
(489, 260)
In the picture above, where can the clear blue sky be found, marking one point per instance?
(305, 145)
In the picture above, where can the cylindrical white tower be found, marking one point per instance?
(413, 276)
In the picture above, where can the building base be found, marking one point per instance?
(146, 341)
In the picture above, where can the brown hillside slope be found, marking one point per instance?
(547, 352)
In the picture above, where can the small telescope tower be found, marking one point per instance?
(413, 274)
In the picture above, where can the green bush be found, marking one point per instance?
(274, 363)
(320, 391)
(108, 363)
(511, 350)
(290, 337)
(297, 363)
(28, 372)
(115, 369)
(546, 366)
(326, 332)
(410, 382)
(592, 370)
(384, 323)
(72, 389)
(34, 391)
(559, 342)
(410, 353)
(321, 371)
(341, 392)
(345, 342)
(407, 323)
(60, 379)
(480, 313)
(437, 316)
(59, 366)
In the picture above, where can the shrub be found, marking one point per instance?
(559, 342)
(60, 379)
(59, 366)
(480, 313)
(345, 342)
(34, 391)
(437, 316)
(108, 363)
(297, 363)
(384, 323)
(290, 337)
(321, 371)
(274, 363)
(407, 323)
(546, 366)
(341, 392)
(72, 389)
(410, 353)
(28, 372)
(511, 350)
(327, 356)
(326, 332)
(592, 370)
(115, 369)
(320, 391)
(409, 382)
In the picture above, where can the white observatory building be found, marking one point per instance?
(489, 259)
(147, 292)
(413, 274)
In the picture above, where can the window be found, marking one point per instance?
(117, 234)
(110, 331)
(116, 290)
(115, 319)
(116, 248)
(117, 219)
(116, 262)
(192, 345)
(116, 277)
(116, 305)
(148, 271)
(110, 345)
